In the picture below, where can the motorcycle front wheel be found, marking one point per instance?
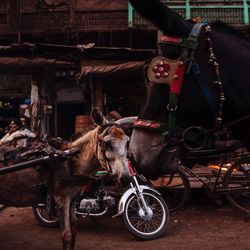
(146, 226)
(44, 218)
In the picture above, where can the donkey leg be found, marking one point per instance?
(72, 215)
(66, 219)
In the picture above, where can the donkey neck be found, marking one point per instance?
(86, 162)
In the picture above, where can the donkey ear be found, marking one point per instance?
(98, 117)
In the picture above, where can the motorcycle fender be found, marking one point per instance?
(127, 194)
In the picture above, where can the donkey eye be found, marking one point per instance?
(171, 149)
(108, 145)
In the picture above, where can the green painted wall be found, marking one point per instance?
(232, 12)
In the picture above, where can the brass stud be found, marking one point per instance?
(165, 74)
(157, 75)
(181, 63)
(155, 67)
(176, 77)
(161, 62)
(161, 69)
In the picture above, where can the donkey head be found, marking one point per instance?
(112, 149)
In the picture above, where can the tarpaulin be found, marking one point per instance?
(105, 72)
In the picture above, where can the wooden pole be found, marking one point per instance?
(35, 106)
(98, 95)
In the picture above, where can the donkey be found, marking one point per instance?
(104, 147)
(153, 147)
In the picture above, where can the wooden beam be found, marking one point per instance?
(98, 95)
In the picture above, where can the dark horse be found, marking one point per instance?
(229, 51)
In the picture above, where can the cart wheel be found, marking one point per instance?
(237, 180)
(175, 188)
(146, 226)
(44, 218)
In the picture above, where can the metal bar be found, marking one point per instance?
(130, 15)
(218, 7)
(218, 176)
(208, 7)
(197, 177)
(246, 12)
(24, 165)
(188, 10)
(235, 122)
(19, 22)
(230, 190)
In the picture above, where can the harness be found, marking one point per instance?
(162, 70)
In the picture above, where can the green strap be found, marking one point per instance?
(193, 39)
(101, 172)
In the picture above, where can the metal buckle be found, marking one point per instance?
(171, 109)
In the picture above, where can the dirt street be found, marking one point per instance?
(200, 226)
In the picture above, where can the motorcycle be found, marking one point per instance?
(142, 208)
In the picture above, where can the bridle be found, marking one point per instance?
(162, 70)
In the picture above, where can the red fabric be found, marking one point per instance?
(131, 169)
(165, 39)
(143, 123)
(177, 84)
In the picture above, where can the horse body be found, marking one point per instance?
(104, 147)
(232, 50)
